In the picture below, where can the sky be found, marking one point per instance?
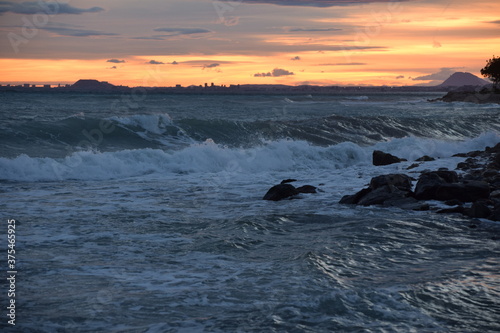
(293, 42)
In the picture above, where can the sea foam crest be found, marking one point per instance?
(281, 156)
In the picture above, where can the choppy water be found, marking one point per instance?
(148, 217)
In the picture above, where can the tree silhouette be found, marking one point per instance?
(492, 70)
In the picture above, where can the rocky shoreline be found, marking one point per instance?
(473, 190)
(483, 96)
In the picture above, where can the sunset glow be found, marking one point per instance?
(190, 42)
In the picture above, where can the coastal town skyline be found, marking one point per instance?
(188, 42)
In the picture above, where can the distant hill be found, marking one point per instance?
(92, 85)
(460, 79)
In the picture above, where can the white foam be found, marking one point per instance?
(274, 156)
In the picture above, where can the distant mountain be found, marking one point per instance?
(92, 85)
(460, 79)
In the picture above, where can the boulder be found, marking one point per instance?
(280, 192)
(381, 158)
(479, 210)
(354, 198)
(466, 192)
(306, 189)
(429, 182)
(382, 194)
(401, 181)
(425, 158)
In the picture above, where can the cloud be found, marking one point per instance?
(50, 8)
(400, 77)
(443, 74)
(174, 63)
(213, 65)
(154, 62)
(116, 61)
(344, 64)
(312, 29)
(295, 58)
(275, 73)
(183, 31)
(494, 22)
(317, 3)
(61, 31)
(114, 67)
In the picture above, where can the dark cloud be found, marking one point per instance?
(114, 67)
(183, 31)
(174, 63)
(318, 3)
(275, 73)
(116, 61)
(211, 65)
(295, 58)
(312, 29)
(50, 8)
(400, 77)
(62, 31)
(495, 22)
(443, 74)
(154, 62)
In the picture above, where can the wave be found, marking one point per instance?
(272, 156)
(158, 131)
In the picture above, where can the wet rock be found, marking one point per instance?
(306, 189)
(382, 194)
(429, 182)
(401, 181)
(479, 209)
(280, 192)
(381, 158)
(425, 158)
(354, 198)
(465, 192)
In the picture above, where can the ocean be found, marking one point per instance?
(144, 213)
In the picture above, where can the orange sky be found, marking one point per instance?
(246, 42)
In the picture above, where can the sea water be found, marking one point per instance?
(146, 215)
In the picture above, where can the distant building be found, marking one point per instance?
(26, 85)
(46, 85)
(178, 86)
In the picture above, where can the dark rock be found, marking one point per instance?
(425, 158)
(429, 182)
(281, 191)
(458, 209)
(285, 181)
(413, 166)
(306, 189)
(401, 181)
(465, 192)
(354, 199)
(380, 195)
(479, 209)
(381, 158)
(495, 194)
(495, 214)
(453, 202)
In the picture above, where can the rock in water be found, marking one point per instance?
(280, 192)
(381, 158)
(307, 189)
